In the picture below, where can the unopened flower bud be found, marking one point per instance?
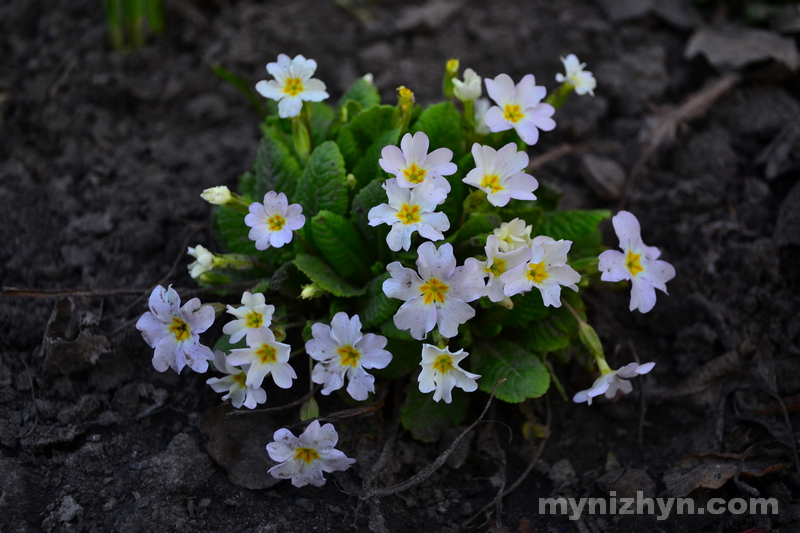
(311, 291)
(217, 195)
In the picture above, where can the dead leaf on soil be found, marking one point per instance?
(430, 16)
(781, 154)
(71, 342)
(733, 47)
(713, 470)
(605, 176)
(678, 13)
(239, 444)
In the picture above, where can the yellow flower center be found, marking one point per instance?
(276, 222)
(240, 379)
(266, 354)
(254, 320)
(308, 455)
(433, 291)
(349, 356)
(414, 174)
(512, 113)
(633, 262)
(492, 183)
(536, 272)
(293, 87)
(497, 267)
(409, 214)
(443, 363)
(180, 329)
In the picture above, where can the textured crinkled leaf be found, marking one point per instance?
(367, 125)
(368, 169)
(341, 245)
(325, 277)
(377, 307)
(526, 376)
(322, 117)
(374, 236)
(247, 185)
(275, 168)
(442, 124)
(363, 92)
(427, 420)
(323, 185)
(406, 356)
(232, 233)
(225, 346)
(573, 225)
(476, 225)
(556, 330)
(528, 307)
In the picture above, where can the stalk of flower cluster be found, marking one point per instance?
(589, 338)
(405, 106)
(450, 72)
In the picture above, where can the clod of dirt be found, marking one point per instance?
(182, 467)
(787, 227)
(239, 444)
(605, 176)
(430, 16)
(69, 346)
(733, 47)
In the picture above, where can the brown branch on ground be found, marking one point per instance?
(566, 149)
(667, 125)
(422, 475)
(524, 474)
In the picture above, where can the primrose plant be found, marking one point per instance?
(390, 242)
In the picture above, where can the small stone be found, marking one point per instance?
(69, 509)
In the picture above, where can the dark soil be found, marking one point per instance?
(102, 159)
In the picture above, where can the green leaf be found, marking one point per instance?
(323, 185)
(368, 169)
(232, 233)
(322, 117)
(367, 125)
(477, 225)
(374, 236)
(427, 420)
(572, 225)
(442, 123)
(405, 359)
(275, 168)
(526, 376)
(556, 330)
(224, 345)
(388, 329)
(528, 307)
(247, 185)
(377, 307)
(531, 214)
(453, 204)
(323, 275)
(340, 244)
(363, 92)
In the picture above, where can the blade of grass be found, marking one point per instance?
(156, 16)
(114, 22)
(133, 14)
(243, 87)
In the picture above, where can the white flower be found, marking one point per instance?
(412, 165)
(519, 107)
(204, 261)
(342, 349)
(410, 210)
(292, 84)
(613, 381)
(303, 459)
(440, 372)
(482, 105)
(500, 174)
(637, 262)
(265, 356)
(174, 331)
(513, 235)
(547, 270)
(238, 392)
(217, 195)
(583, 81)
(498, 263)
(469, 89)
(254, 314)
(437, 295)
(273, 221)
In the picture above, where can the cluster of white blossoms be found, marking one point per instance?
(438, 294)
